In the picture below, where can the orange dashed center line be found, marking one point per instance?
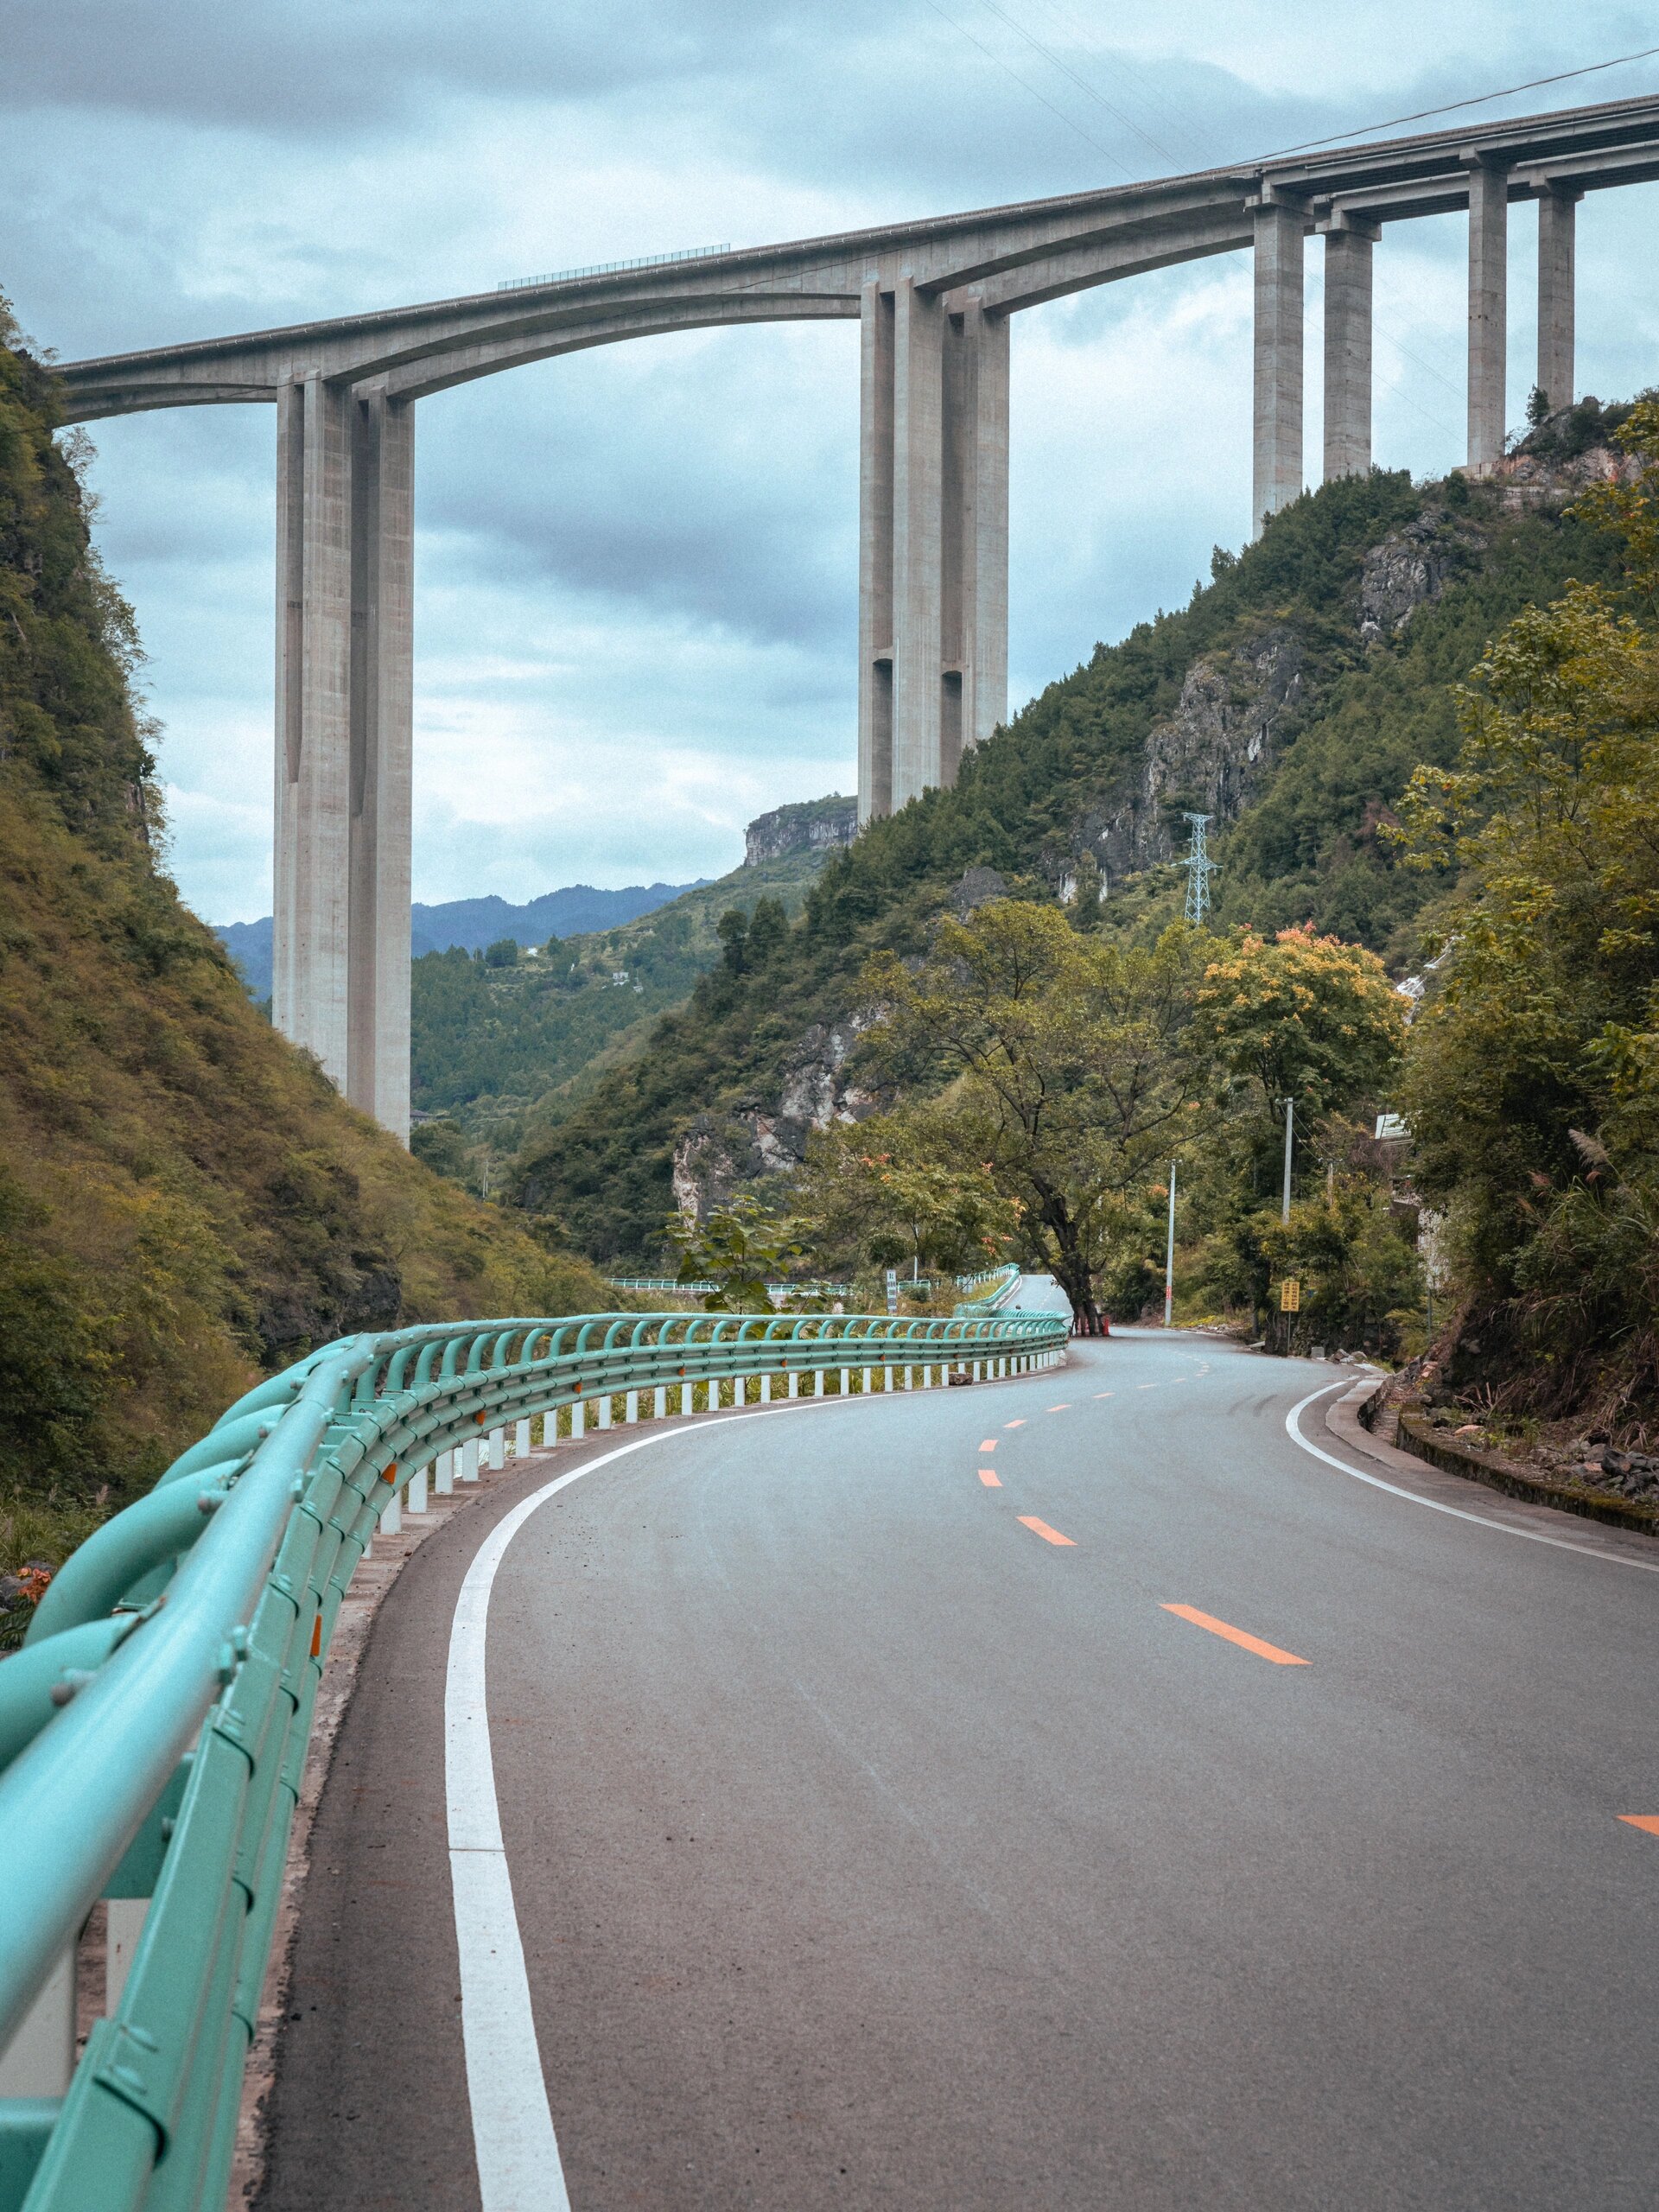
(1065, 1408)
(1042, 1528)
(1104, 1394)
(1013, 1424)
(1236, 1635)
(990, 1479)
(988, 1444)
(1648, 1820)
(1146, 1386)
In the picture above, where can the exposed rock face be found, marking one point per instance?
(814, 826)
(1531, 478)
(1211, 756)
(1405, 572)
(978, 887)
(717, 1156)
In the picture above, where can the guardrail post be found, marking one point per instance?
(685, 1399)
(660, 1402)
(521, 1440)
(631, 1411)
(794, 1383)
(498, 1448)
(818, 1381)
(415, 1496)
(549, 1427)
(443, 1473)
(846, 1381)
(578, 1419)
(41, 2056)
(391, 1516)
(469, 1460)
(604, 1411)
(869, 1381)
(766, 1389)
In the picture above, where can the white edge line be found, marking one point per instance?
(1457, 1512)
(516, 2149)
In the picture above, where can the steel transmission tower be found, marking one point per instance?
(1200, 868)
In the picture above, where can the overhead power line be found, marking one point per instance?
(1481, 99)
(1025, 82)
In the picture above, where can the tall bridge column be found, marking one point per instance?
(975, 550)
(344, 698)
(933, 541)
(1488, 237)
(383, 452)
(309, 970)
(1276, 475)
(1347, 243)
(1557, 223)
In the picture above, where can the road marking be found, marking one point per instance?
(1434, 1505)
(1648, 1820)
(1104, 1393)
(1013, 1424)
(1065, 1408)
(1042, 1528)
(988, 1444)
(515, 2148)
(1146, 1386)
(990, 1479)
(1236, 1635)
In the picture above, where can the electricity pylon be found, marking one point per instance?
(1199, 869)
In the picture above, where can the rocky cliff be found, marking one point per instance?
(808, 826)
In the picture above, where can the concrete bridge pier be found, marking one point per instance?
(1347, 243)
(1489, 233)
(934, 544)
(1276, 474)
(1557, 223)
(343, 710)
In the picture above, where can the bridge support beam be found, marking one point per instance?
(1276, 475)
(344, 704)
(1348, 247)
(933, 552)
(1557, 224)
(1488, 239)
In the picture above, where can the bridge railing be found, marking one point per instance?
(154, 1727)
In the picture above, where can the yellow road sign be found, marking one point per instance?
(1290, 1296)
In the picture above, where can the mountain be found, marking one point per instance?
(505, 1048)
(1289, 701)
(473, 923)
(184, 1199)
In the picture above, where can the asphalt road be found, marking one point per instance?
(872, 1848)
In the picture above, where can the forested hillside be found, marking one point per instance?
(184, 1199)
(1291, 700)
(504, 1041)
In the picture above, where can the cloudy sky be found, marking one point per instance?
(636, 566)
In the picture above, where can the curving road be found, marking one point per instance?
(879, 1835)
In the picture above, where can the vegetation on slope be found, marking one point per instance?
(184, 1199)
(1307, 851)
(503, 1043)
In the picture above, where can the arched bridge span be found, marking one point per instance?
(933, 301)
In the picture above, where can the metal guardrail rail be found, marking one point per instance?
(154, 1727)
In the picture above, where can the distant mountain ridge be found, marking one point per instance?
(472, 923)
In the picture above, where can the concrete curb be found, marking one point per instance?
(1449, 1486)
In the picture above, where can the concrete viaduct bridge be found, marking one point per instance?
(933, 300)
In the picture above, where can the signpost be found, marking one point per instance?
(893, 1290)
(1290, 1296)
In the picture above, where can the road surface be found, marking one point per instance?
(1060, 1793)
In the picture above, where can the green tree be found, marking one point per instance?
(1532, 1084)
(1301, 1016)
(739, 1248)
(1066, 1062)
(504, 953)
(901, 1189)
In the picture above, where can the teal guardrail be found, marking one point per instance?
(154, 1727)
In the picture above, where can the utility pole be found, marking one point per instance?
(1169, 1254)
(1290, 1127)
(1200, 868)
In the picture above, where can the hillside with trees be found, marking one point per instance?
(184, 1200)
(1293, 699)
